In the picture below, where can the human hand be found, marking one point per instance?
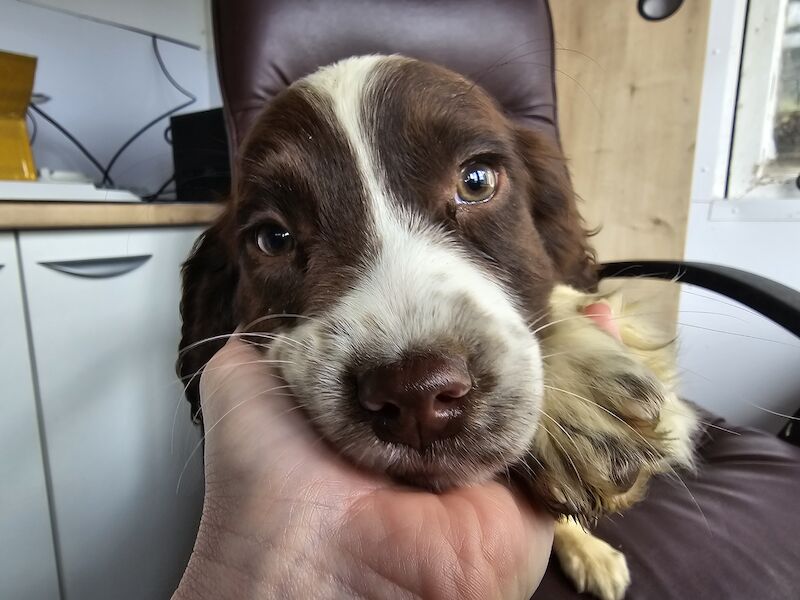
(285, 516)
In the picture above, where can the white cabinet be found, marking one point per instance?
(27, 556)
(105, 326)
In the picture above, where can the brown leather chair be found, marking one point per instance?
(732, 530)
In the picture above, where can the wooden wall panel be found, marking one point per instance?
(629, 97)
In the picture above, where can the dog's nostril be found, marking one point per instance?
(388, 412)
(455, 390)
(372, 402)
(416, 401)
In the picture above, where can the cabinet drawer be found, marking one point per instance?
(105, 329)
(27, 556)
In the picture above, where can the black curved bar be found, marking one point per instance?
(775, 301)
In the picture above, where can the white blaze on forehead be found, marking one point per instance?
(415, 263)
(346, 83)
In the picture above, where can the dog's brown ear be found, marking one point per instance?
(555, 212)
(210, 277)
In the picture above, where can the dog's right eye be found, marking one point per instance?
(274, 239)
(477, 183)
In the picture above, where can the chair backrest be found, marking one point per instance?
(505, 45)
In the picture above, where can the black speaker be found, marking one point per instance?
(201, 157)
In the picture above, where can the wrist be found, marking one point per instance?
(228, 565)
(248, 550)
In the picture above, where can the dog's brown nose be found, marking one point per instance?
(416, 401)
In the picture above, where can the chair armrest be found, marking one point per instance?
(775, 301)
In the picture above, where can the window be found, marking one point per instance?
(765, 156)
(786, 122)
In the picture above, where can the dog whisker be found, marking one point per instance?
(297, 344)
(213, 426)
(240, 334)
(645, 314)
(560, 48)
(560, 353)
(282, 316)
(509, 59)
(723, 302)
(178, 405)
(536, 460)
(695, 373)
(215, 338)
(691, 496)
(266, 361)
(476, 76)
(638, 434)
(773, 412)
(200, 370)
(542, 314)
(564, 450)
(742, 335)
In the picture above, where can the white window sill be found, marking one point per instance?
(751, 209)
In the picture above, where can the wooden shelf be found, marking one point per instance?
(74, 215)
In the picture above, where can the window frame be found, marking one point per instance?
(749, 175)
(723, 92)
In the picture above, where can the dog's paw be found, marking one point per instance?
(595, 567)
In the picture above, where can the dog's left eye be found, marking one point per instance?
(476, 183)
(274, 239)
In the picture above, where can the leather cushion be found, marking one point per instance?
(736, 537)
(506, 45)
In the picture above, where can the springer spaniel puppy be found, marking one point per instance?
(420, 266)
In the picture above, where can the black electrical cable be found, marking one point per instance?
(160, 190)
(72, 139)
(191, 100)
(34, 126)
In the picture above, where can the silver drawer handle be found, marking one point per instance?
(99, 268)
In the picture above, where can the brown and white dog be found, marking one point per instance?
(415, 259)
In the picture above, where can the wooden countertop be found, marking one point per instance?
(73, 215)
